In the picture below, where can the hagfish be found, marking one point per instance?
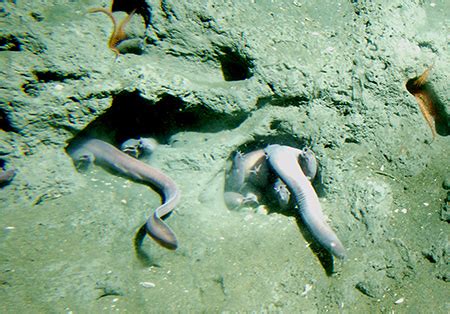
(308, 163)
(249, 168)
(284, 161)
(106, 155)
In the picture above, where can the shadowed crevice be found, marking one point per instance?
(132, 116)
(235, 66)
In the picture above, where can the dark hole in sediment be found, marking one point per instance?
(275, 124)
(45, 76)
(38, 17)
(141, 7)
(10, 43)
(131, 116)
(235, 67)
(5, 124)
(31, 88)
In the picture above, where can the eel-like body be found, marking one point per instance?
(106, 155)
(250, 172)
(284, 161)
(249, 168)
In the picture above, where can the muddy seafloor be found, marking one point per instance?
(208, 79)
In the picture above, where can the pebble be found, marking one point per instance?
(306, 289)
(446, 183)
(147, 284)
(59, 87)
(400, 301)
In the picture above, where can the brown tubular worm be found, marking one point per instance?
(418, 88)
(118, 34)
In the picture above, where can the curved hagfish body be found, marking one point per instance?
(284, 160)
(106, 155)
(248, 170)
(250, 177)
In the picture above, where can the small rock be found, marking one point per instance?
(400, 301)
(371, 289)
(432, 254)
(446, 183)
(134, 46)
(445, 210)
(147, 284)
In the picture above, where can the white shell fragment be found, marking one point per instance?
(147, 284)
(306, 289)
(400, 301)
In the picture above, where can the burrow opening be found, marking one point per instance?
(141, 7)
(46, 76)
(132, 116)
(10, 43)
(5, 124)
(235, 66)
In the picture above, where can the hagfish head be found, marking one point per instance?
(82, 159)
(282, 193)
(336, 248)
(139, 147)
(308, 163)
(233, 200)
(271, 149)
